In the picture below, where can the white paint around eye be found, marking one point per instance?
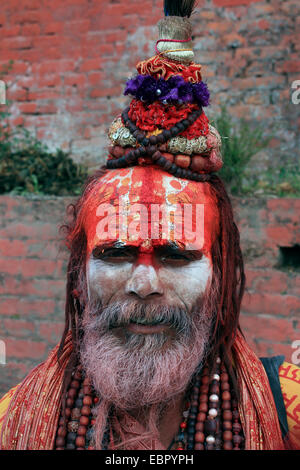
(178, 285)
(91, 272)
(200, 271)
(101, 276)
(189, 280)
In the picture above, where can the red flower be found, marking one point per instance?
(150, 117)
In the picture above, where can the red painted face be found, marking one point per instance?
(147, 207)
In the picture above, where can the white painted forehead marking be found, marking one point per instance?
(108, 178)
(166, 180)
(170, 208)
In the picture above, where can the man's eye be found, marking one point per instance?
(177, 258)
(115, 255)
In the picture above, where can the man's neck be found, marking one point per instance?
(169, 422)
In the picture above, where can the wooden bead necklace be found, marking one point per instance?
(210, 421)
(149, 147)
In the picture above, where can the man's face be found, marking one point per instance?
(144, 269)
(148, 318)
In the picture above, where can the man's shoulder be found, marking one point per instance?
(290, 372)
(289, 376)
(284, 379)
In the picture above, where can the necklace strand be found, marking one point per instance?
(210, 419)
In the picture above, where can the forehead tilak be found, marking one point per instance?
(146, 186)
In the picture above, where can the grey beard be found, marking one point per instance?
(142, 370)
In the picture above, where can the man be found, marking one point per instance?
(152, 356)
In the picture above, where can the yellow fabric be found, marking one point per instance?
(289, 376)
(4, 403)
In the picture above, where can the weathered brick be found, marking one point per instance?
(90, 64)
(267, 349)
(53, 27)
(282, 235)
(49, 81)
(31, 267)
(12, 248)
(31, 30)
(267, 328)
(77, 80)
(29, 16)
(95, 78)
(17, 348)
(289, 66)
(53, 66)
(276, 304)
(273, 281)
(21, 231)
(44, 94)
(10, 31)
(24, 307)
(18, 328)
(19, 42)
(267, 280)
(51, 332)
(232, 3)
(12, 373)
(44, 288)
(28, 108)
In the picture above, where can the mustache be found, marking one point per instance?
(119, 314)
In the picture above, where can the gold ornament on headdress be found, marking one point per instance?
(175, 31)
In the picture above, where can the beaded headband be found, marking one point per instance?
(165, 125)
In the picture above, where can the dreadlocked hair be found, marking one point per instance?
(76, 287)
(228, 268)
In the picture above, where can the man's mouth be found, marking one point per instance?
(145, 321)
(144, 326)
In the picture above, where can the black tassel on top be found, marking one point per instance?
(179, 7)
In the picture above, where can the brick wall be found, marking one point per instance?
(271, 305)
(32, 278)
(73, 57)
(32, 282)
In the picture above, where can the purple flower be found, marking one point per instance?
(133, 85)
(201, 93)
(147, 88)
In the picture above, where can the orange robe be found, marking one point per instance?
(29, 412)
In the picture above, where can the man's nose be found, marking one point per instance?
(144, 282)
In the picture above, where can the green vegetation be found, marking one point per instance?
(283, 181)
(28, 166)
(239, 144)
(238, 147)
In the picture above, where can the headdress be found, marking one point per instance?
(165, 124)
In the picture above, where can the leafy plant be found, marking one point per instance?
(284, 181)
(239, 144)
(27, 165)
